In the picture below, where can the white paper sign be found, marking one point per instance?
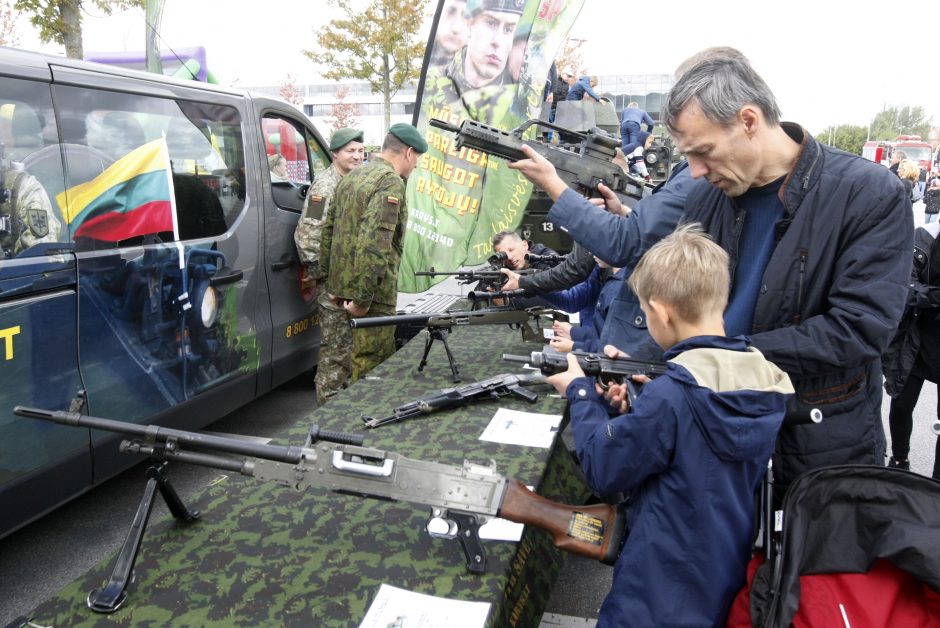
(398, 608)
(513, 427)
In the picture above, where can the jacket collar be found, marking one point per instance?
(738, 343)
(805, 171)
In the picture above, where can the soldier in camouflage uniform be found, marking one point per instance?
(26, 215)
(348, 151)
(361, 248)
(478, 77)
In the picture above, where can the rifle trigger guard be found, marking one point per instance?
(604, 386)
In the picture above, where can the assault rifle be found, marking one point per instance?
(440, 324)
(604, 370)
(489, 388)
(582, 166)
(461, 498)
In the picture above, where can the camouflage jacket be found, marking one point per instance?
(362, 236)
(308, 234)
(26, 215)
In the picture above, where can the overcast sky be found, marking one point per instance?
(828, 61)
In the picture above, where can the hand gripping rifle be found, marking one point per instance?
(440, 324)
(461, 498)
(604, 370)
(489, 388)
(581, 166)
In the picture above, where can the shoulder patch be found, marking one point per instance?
(38, 222)
(393, 200)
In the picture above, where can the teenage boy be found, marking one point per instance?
(691, 452)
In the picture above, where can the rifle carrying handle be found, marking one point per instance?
(595, 531)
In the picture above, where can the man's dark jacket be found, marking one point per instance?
(620, 242)
(830, 299)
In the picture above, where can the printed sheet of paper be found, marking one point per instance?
(394, 607)
(512, 427)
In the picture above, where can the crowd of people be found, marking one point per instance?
(772, 273)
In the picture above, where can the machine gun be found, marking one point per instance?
(461, 498)
(582, 166)
(551, 361)
(489, 388)
(440, 324)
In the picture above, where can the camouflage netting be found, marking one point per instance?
(265, 555)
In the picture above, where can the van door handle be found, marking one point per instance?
(221, 280)
(282, 265)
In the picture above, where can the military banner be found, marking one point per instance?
(487, 60)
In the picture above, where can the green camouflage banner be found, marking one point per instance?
(487, 61)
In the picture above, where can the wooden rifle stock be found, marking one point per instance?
(596, 531)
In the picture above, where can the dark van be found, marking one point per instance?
(148, 272)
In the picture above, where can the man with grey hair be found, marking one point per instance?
(819, 244)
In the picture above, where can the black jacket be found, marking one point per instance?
(917, 331)
(831, 297)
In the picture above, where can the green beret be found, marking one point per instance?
(509, 6)
(410, 136)
(344, 136)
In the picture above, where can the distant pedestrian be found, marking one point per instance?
(908, 172)
(932, 201)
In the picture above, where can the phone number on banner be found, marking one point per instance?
(433, 236)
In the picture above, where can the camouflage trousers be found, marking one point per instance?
(347, 354)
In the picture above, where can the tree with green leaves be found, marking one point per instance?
(848, 137)
(60, 21)
(378, 44)
(894, 121)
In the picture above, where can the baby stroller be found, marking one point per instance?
(860, 548)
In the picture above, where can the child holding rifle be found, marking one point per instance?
(690, 453)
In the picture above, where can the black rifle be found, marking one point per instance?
(581, 166)
(488, 277)
(461, 498)
(549, 259)
(440, 324)
(489, 388)
(604, 370)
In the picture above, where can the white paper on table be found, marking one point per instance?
(394, 607)
(499, 529)
(512, 427)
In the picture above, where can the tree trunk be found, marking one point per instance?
(72, 28)
(387, 93)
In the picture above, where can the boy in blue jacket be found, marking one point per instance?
(690, 453)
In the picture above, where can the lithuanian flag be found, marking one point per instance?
(132, 197)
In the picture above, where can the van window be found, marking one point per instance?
(292, 155)
(30, 169)
(118, 184)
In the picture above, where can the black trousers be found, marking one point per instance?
(901, 421)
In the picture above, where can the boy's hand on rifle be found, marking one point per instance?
(561, 381)
(564, 345)
(512, 280)
(615, 394)
(561, 329)
(540, 172)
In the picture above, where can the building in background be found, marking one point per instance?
(648, 90)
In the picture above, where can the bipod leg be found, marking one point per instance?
(427, 348)
(113, 595)
(454, 371)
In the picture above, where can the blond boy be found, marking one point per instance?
(692, 450)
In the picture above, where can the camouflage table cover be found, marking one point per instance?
(263, 555)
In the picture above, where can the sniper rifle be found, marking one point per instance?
(440, 324)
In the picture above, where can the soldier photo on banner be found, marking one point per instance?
(459, 199)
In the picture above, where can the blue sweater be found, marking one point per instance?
(633, 114)
(692, 454)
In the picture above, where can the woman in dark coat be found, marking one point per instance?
(914, 355)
